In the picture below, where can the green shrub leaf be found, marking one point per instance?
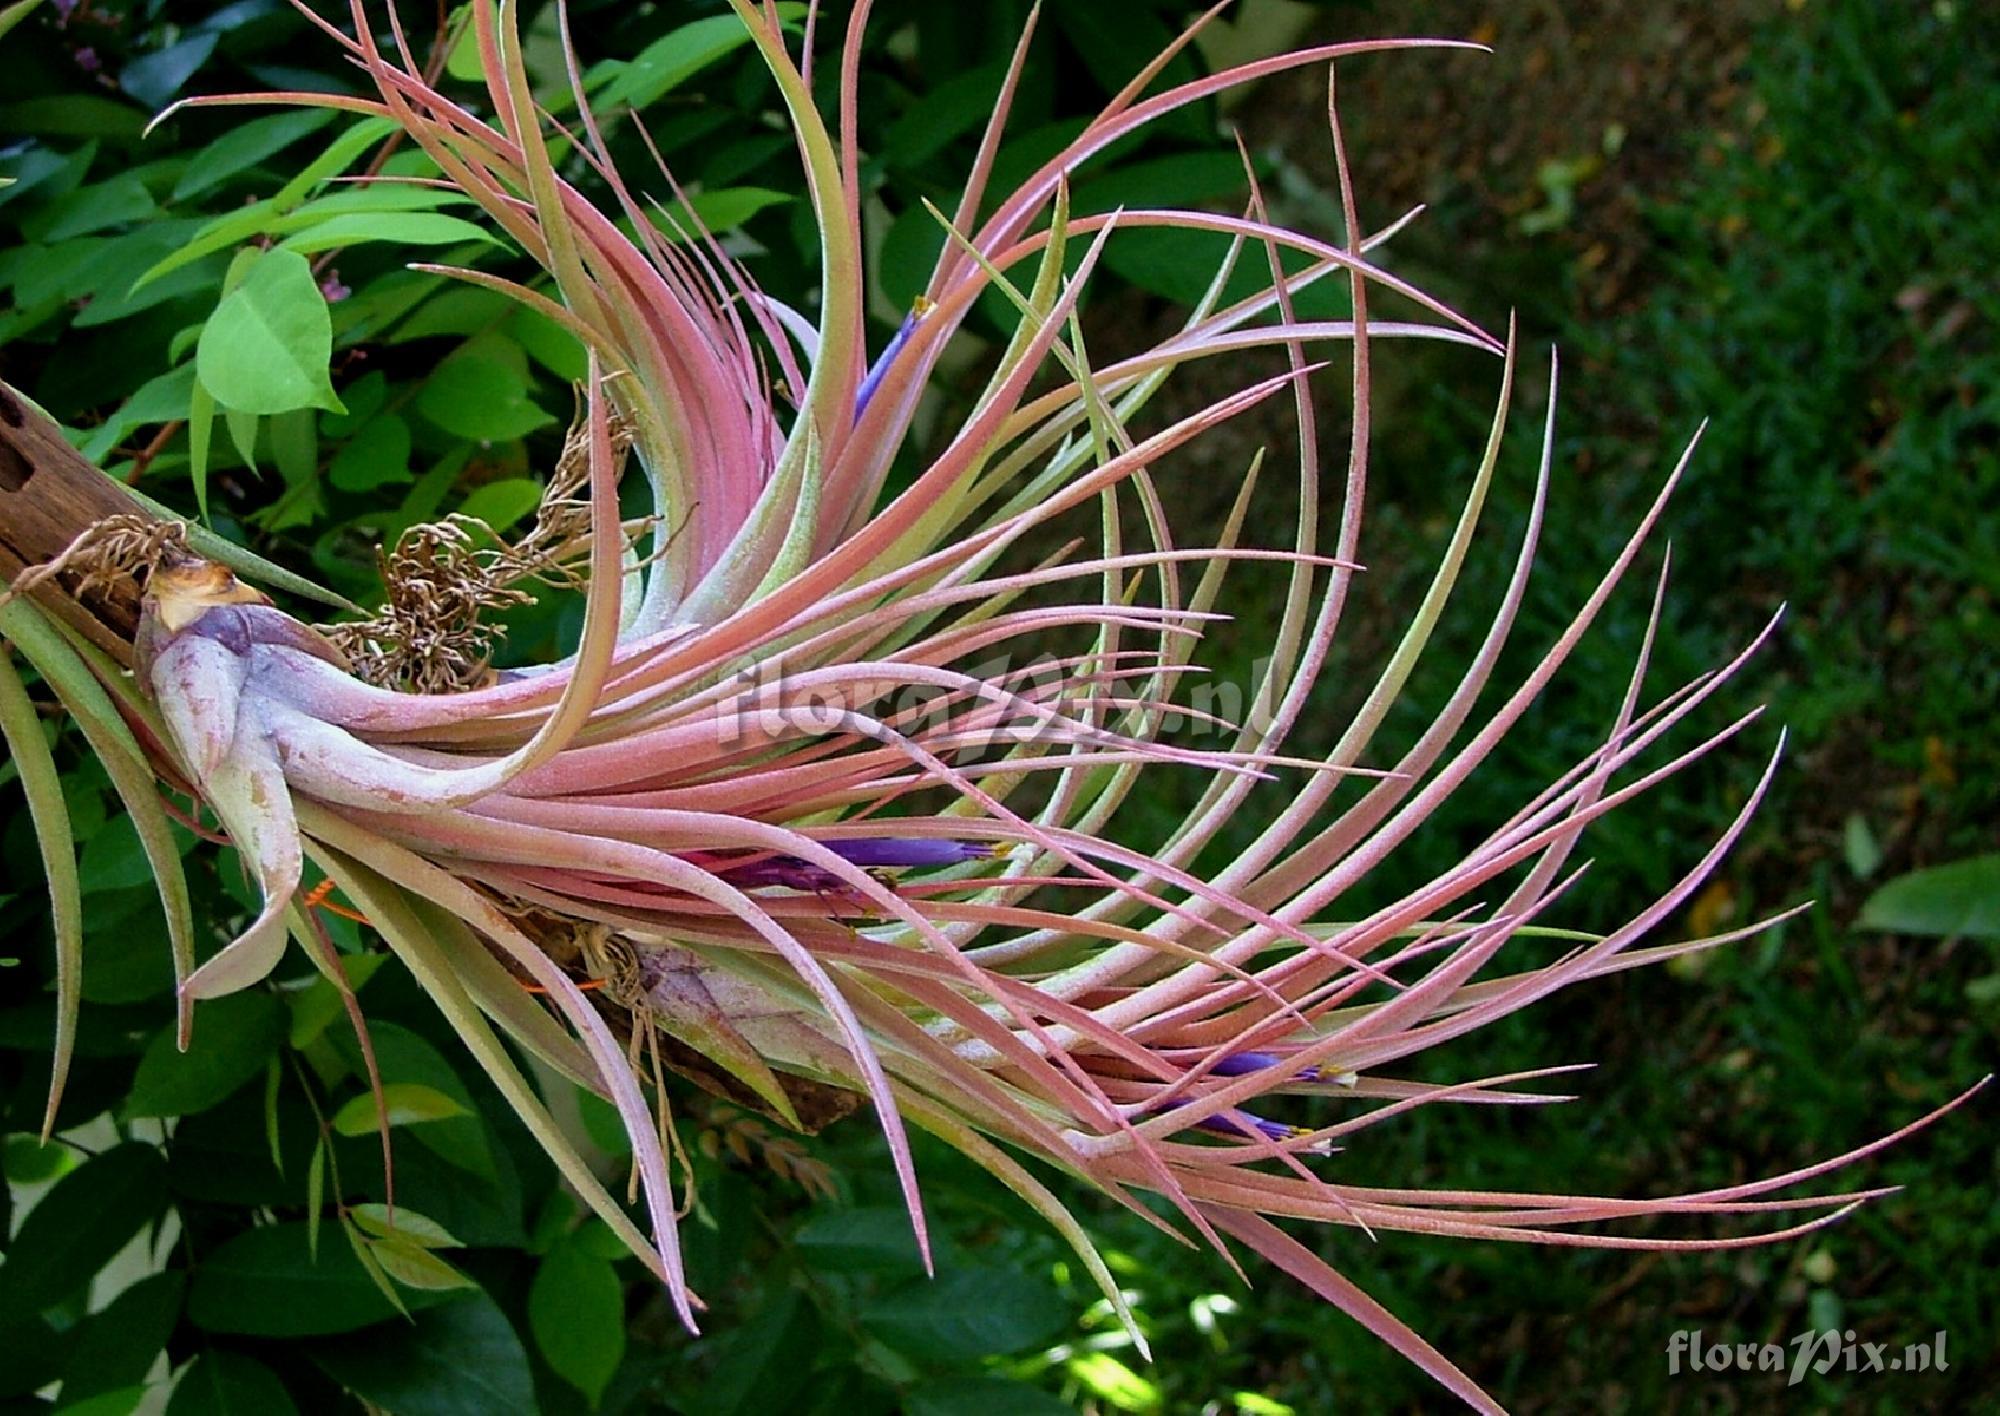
(673, 59)
(461, 1359)
(229, 1384)
(1962, 898)
(405, 1224)
(267, 1283)
(715, 212)
(377, 456)
(409, 228)
(84, 1219)
(234, 1037)
(877, 1239)
(576, 1310)
(501, 504)
(414, 1266)
(267, 347)
(11, 15)
(407, 1104)
(245, 147)
(115, 1349)
(981, 1396)
(968, 1313)
(477, 396)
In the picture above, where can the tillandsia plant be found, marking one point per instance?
(781, 822)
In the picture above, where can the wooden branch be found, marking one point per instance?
(49, 495)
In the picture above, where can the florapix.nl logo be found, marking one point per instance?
(1822, 1351)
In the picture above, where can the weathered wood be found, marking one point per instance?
(49, 495)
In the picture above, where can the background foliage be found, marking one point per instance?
(228, 326)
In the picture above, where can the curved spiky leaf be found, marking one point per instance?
(125, 763)
(21, 726)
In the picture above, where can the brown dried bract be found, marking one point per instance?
(106, 553)
(443, 579)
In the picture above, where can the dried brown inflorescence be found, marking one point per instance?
(444, 580)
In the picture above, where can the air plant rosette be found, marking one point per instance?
(780, 812)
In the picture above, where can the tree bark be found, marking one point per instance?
(49, 495)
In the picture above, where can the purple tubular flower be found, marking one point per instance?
(868, 852)
(1245, 1123)
(901, 852)
(1238, 1122)
(873, 378)
(1237, 1064)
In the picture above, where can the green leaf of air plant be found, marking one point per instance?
(967, 1313)
(267, 347)
(21, 728)
(434, 944)
(407, 1104)
(477, 396)
(234, 1038)
(118, 752)
(229, 1384)
(576, 1311)
(115, 1347)
(1962, 898)
(266, 1283)
(76, 1228)
(461, 1359)
(499, 994)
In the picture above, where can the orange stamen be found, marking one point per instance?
(316, 899)
(586, 985)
